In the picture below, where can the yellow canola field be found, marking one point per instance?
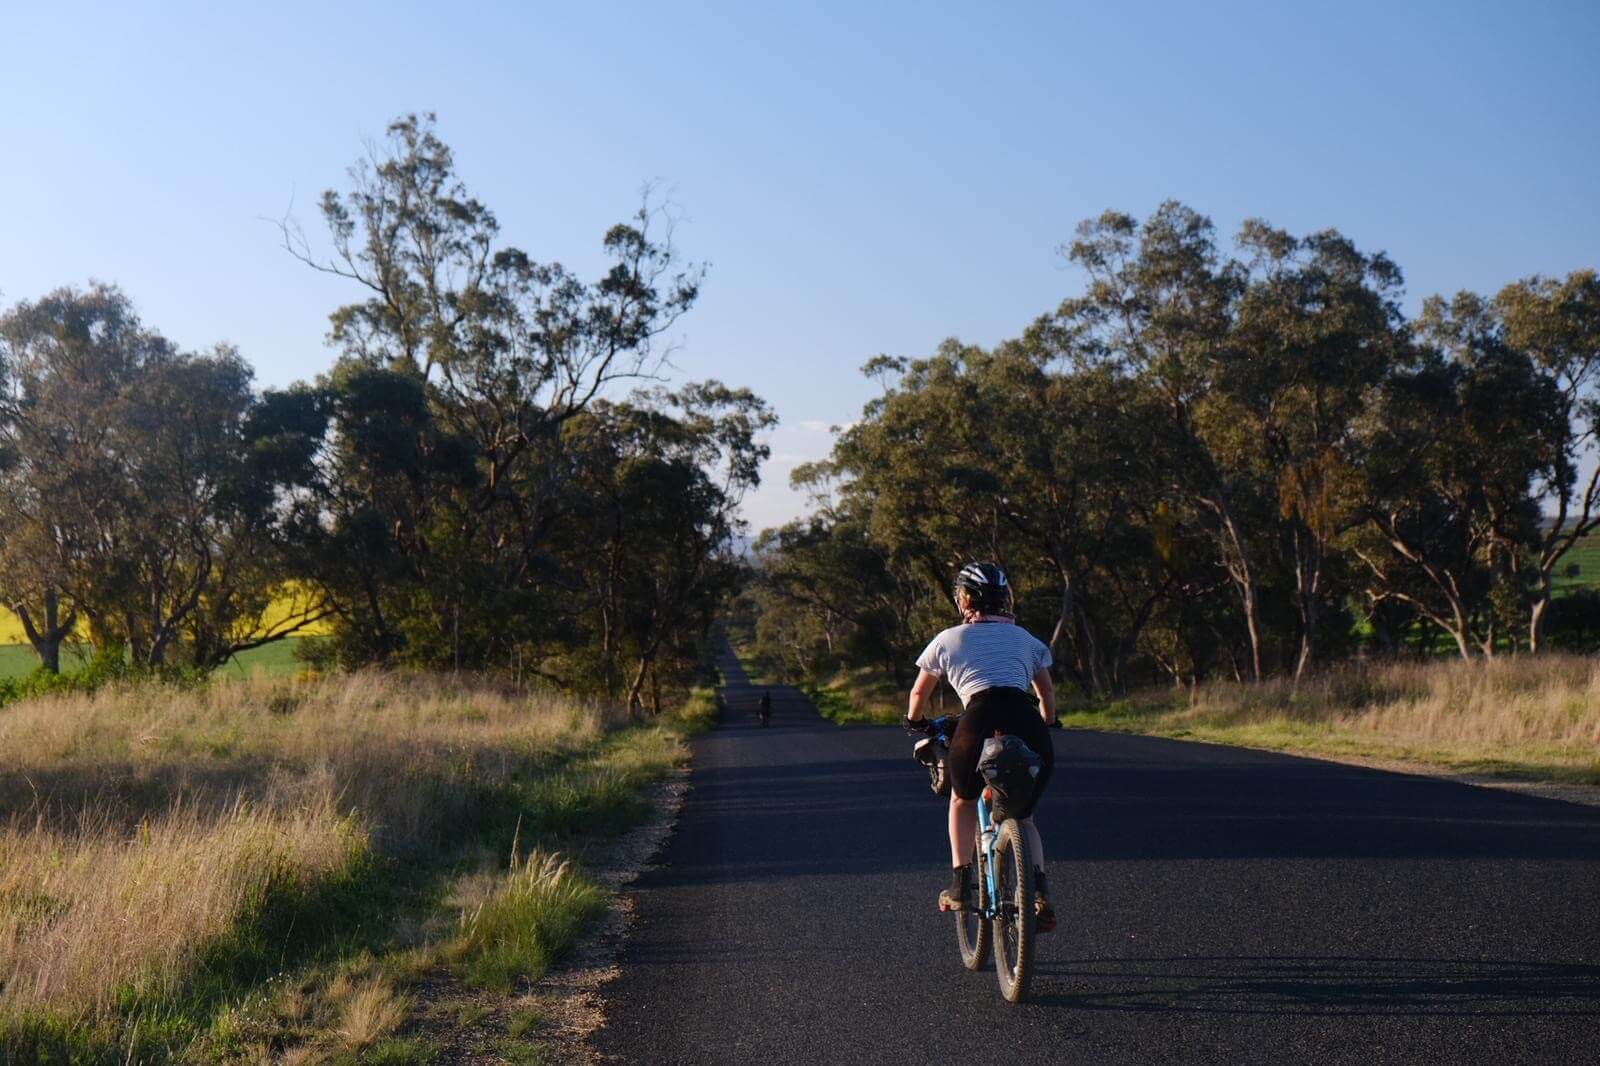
(287, 605)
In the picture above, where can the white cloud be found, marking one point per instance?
(817, 425)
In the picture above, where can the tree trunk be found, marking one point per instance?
(1094, 660)
(1252, 620)
(636, 688)
(1064, 615)
(1308, 581)
(1536, 613)
(1308, 632)
(1244, 580)
(46, 641)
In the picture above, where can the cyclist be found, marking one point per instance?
(764, 711)
(992, 663)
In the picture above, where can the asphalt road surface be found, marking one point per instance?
(1216, 905)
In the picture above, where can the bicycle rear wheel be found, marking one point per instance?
(972, 928)
(1013, 921)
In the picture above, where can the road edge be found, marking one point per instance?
(1565, 791)
(571, 996)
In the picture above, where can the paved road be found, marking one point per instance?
(1218, 905)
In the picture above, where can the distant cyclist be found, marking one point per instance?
(992, 663)
(764, 709)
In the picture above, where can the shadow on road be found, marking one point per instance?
(1311, 985)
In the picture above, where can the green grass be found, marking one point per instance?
(525, 1021)
(1579, 568)
(398, 1051)
(534, 916)
(18, 660)
(271, 660)
(843, 704)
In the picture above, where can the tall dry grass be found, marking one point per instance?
(1540, 714)
(141, 826)
(91, 918)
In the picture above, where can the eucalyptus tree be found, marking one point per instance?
(488, 354)
(68, 364)
(995, 454)
(1452, 448)
(199, 541)
(1557, 324)
(1160, 308)
(1317, 330)
(644, 545)
(141, 491)
(831, 596)
(1081, 491)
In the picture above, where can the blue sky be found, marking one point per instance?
(862, 178)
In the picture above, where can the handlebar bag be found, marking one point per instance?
(931, 753)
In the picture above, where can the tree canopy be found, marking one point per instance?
(1209, 461)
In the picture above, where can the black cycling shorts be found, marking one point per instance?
(998, 710)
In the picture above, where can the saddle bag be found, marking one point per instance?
(1010, 767)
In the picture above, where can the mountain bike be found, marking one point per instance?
(1002, 924)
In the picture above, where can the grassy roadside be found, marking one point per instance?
(1523, 718)
(858, 697)
(1518, 718)
(268, 869)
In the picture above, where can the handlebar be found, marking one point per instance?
(943, 726)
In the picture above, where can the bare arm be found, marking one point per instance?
(1046, 689)
(921, 691)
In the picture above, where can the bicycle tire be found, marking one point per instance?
(1014, 917)
(972, 929)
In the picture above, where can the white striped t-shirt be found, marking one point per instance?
(983, 655)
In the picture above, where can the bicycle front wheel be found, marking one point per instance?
(1013, 919)
(972, 928)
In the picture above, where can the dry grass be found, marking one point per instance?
(90, 917)
(372, 1010)
(377, 743)
(142, 826)
(1526, 716)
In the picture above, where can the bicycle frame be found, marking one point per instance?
(987, 833)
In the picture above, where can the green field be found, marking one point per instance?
(273, 660)
(1580, 567)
